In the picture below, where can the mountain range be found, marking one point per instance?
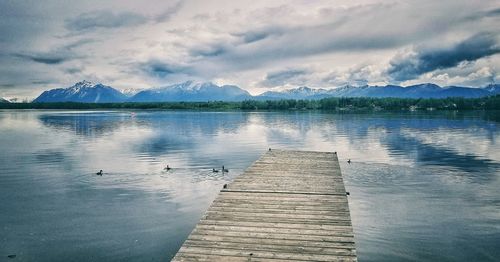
(414, 91)
(84, 92)
(191, 92)
(87, 92)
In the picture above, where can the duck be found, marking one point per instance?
(215, 170)
(99, 173)
(168, 168)
(224, 170)
(349, 161)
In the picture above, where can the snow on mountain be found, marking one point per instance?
(302, 92)
(192, 91)
(3, 100)
(415, 91)
(84, 92)
(130, 92)
(493, 88)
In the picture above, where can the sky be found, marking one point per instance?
(257, 45)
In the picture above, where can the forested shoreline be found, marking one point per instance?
(332, 103)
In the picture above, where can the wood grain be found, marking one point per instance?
(288, 206)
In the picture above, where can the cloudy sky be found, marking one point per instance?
(257, 45)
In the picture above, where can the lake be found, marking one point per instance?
(424, 186)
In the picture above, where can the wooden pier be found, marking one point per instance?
(288, 206)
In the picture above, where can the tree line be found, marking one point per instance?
(330, 104)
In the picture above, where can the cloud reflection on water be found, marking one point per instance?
(411, 174)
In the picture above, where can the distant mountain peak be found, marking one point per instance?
(425, 90)
(186, 85)
(192, 91)
(493, 88)
(85, 83)
(427, 84)
(130, 91)
(84, 92)
(304, 88)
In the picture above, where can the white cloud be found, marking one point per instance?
(141, 44)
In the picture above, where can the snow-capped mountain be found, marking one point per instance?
(87, 92)
(84, 92)
(130, 92)
(415, 91)
(192, 91)
(493, 88)
(302, 92)
(3, 100)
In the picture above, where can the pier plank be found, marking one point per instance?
(288, 206)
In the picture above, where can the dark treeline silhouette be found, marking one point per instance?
(333, 103)
(365, 103)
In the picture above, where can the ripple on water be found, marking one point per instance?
(423, 187)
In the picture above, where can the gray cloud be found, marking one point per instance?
(104, 19)
(483, 14)
(209, 50)
(159, 69)
(7, 85)
(44, 58)
(41, 82)
(55, 56)
(89, 21)
(493, 12)
(280, 78)
(254, 44)
(251, 36)
(169, 12)
(21, 21)
(340, 31)
(427, 60)
(73, 70)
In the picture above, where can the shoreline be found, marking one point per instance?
(356, 104)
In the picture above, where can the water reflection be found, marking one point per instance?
(427, 154)
(86, 124)
(422, 185)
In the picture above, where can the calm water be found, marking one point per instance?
(423, 186)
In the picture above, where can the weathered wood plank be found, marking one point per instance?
(273, 235)
(274, 225)
(271, 206)
(229, 194)
(286, 198)
(282, 230)
(264, 215)
(191, 257)
(288, 206)
(283, 242)
(271, 247)
(281, 210)
(265, 254)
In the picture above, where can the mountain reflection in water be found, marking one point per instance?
(424, 186)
